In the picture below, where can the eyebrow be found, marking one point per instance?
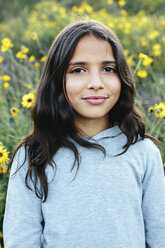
(85, 63)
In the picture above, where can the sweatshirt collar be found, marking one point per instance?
(107, 133)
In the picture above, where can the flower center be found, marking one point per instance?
(29, 100)
(1, 154)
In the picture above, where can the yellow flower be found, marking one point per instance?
(28, 100)
(130, 60)
(109, 1)
(24, 49)
(4, 48)
(162, 22)
(3, 156)
(156, 48)
(21, 55)
(31, 58)
(1, 235)
(37, 65)
(86, 7)
(142, 22)
(74, 8)
(6, 78)
(163, 38)
(3, 169)
(1, 144)
(160, 114)
(124, 13)
(146, 60)
(34, 36)
(28, 86)
(160, 110)
(1, 59)
(83, 8)
(143, 41)
(160, 106)
(150, 110)
(62, 11)
(54, 8)
(14, 111)
(161, 81)
(127, 31)
(141, 13)
(6, 44)
(142, 74)
(126, 52)
(43, 17)
(120, 25)
(43, 59)
(121, 3)
(153, 34)
(157, 53)
(6, 85)
(111, 25)
(142, 56)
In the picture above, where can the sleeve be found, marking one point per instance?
(22, 224)
(153, 201)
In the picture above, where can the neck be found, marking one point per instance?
(90, 127)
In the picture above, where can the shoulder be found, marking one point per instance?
(147, 151)
(146, 146)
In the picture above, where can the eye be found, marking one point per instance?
(109, 69)
(77, 70)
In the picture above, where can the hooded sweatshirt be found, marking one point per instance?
(113, 202)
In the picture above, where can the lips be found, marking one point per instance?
(95, 99)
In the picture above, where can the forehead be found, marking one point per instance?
(91, 45)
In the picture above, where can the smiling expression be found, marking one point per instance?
(92, 83)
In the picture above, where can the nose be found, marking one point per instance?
(95, 82)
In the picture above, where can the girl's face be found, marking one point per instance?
(92, 83)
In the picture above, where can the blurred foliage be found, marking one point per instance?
(11, 9)
(14, 8)
(26, 33)
(149, 6)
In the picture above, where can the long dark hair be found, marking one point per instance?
(53, 117)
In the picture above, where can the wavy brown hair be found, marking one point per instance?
(53, 117)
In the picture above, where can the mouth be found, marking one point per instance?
(95, 99)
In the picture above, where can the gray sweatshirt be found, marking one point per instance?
(113, 202)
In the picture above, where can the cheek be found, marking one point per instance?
(115, 87)
(73, 87)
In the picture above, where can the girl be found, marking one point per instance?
(87, 175)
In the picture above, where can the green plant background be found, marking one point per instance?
(134, 23)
